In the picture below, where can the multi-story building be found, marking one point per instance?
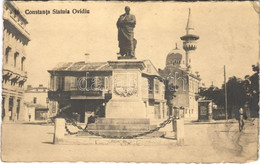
(178, 73)
(96, 87)
(36, 103)
(183, 84)
(15, 39)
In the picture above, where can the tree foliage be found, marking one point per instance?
(240, 93)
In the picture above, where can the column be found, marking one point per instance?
(14, 114)
(22, 111)
(161, 111)
(55, 87)
(180, 132)
(6, 108)
(51, 83)
(59, 130)
(165, 110)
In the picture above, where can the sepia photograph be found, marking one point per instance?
(111, 81)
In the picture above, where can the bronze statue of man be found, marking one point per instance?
(126, 24)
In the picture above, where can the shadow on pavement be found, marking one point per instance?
(51, 143)
(226, 131)
(213, 122)
(38, 123)
(169, 138)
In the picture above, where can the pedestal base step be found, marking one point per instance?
(115, 133)
(72, 140)
(121, 127)
(122, 121)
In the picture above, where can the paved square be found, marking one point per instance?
(204, 142)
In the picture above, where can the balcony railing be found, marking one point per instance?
(16, 70)
(87, 93)
(66, 95)
(58, 95)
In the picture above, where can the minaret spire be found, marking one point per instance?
(189, 26)
(189, 40)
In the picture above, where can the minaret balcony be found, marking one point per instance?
(189, 45)
(189, 37)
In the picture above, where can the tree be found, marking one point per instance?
(251, 85)
(240, 93)
(236, 95)
(213, 93)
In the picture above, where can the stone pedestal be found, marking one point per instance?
(125, 57)
(126, 99)
(180, 131)
(125, 109)
(121, 127)
(59, 130)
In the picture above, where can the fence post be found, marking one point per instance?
(59, 130)
(180, 131)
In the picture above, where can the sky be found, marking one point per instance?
(228, 34)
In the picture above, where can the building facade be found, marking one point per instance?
(179, 75)
(183, 84)
(113, 89)
(36, 103)
(15, 39)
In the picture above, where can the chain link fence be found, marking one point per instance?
(74, 123)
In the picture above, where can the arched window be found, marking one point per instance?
(7, 51)
(22, 63)
(15, 58)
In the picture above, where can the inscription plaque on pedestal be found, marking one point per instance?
(127, 100)
(125, 84)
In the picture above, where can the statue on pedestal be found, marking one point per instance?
(127, 42)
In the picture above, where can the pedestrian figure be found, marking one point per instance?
(241, 119)
(29, 117)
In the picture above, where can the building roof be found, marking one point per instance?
(15, 8)
(175, 50)
(152, 71)
(30, 104)
(39, 89)
(82, 66)
(174, 57)
(171, 70)
(149, 68)
(190, 37)
(195, 76)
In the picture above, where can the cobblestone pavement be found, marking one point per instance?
(218, 142)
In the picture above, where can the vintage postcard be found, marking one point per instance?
(110, 81)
